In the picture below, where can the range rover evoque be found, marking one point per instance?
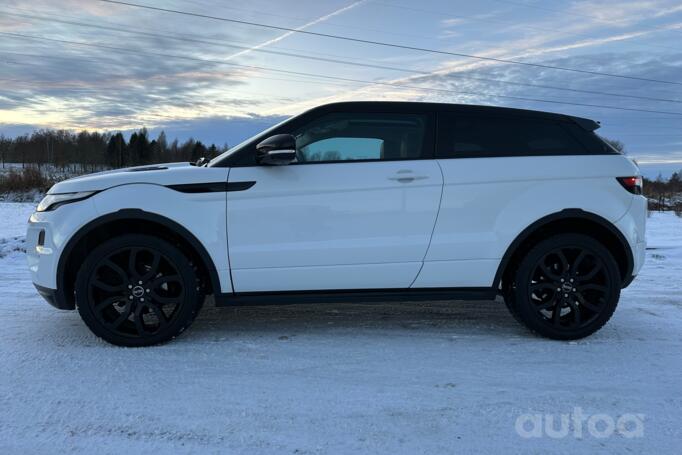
(357, 201)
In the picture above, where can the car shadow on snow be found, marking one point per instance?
(461, 318)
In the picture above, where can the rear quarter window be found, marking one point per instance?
(461, 136)
(592, 141)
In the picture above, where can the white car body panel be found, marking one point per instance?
(488, 202)
(332, 226)
(203, 214)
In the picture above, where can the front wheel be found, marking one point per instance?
(566, 287)
(137, 290)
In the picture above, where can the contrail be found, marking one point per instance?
(302, 27)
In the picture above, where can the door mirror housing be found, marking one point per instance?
(276, 150)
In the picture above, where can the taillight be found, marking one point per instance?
(632, 184)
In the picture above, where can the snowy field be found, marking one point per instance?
(383, 378)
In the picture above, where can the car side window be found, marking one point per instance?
(462, 136)
(360, 137)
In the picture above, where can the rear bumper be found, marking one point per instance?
(640, 255)
(638, 258)
(633, 226)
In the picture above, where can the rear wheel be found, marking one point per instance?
(566, 287)
(137, 290)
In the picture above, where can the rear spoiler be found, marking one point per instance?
(585, 123)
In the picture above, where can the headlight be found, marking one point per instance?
(52, 201)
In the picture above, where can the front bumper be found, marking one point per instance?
(52, 297)
(42, 249)
(46, 236)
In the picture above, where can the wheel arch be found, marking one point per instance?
(568, 220)
(128, 221)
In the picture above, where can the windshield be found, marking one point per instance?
(237, 147)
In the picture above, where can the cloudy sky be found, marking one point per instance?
(92, 64)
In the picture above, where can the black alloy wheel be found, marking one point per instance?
(566, 287)
(137, 290)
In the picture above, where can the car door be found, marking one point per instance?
(356, 210)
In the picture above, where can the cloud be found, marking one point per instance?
(120, 87)
(59, 85)
(622, 14)
(308, 24)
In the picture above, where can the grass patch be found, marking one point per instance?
(27, 179)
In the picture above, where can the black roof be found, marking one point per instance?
(406, 106)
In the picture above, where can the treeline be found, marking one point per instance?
(86, 151)
(664, 194)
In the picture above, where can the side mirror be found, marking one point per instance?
(276, 150)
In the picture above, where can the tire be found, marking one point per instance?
(137, 290)
(565, 288)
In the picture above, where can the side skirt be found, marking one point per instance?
(355, 296)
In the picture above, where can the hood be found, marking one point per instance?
(157, 174)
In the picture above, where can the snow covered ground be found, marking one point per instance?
(384, 378)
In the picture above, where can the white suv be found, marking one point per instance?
(355, 201)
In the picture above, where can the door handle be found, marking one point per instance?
(408, 178)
